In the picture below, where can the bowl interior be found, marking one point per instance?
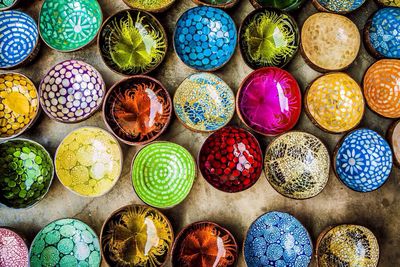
(14, 251)
(151, 6)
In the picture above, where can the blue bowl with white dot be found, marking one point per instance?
(277, 239)
(205, 38)
(363, 160)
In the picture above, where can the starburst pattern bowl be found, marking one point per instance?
(13, 249)
(286, 5)
(150, 5)
(217, 3)
(338, 6)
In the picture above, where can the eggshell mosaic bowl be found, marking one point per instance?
(286, 5)
(394, 140)
(14, 251)
(151, 6)
(338, 6)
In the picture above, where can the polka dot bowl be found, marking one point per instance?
(150, 6)
(14, 250)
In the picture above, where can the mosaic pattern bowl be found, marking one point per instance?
(132, 42)
(71, 91)
(269, 101)
(8, 4)
(285, 5)
(338, 6)
(203, 102)
(65, 242)
(231, 159)
(137, 110)
(277, 239)
(217, 3)
(394, 140)
(150, 6)
(14, 251)
(89, 161)
(393, 3)
(205, 38)
(136, 235)
(268, 37)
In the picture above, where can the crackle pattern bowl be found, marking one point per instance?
(338, 6)
(13, 250)
(285, 5)
(155, 6)
(217, 3)
(394, 140)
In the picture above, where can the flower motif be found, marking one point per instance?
(352, 162)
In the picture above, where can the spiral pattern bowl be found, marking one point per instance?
(14, 251)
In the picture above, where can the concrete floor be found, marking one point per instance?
(379, 210)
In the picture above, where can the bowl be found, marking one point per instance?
(329, 42)
(132, 42)
(231, 159)
(347, 245)
(163, 174)
(203, 102)
(338, 7)
(69, 25)
(71, 91)
(269, 101)
(205, 38)
(277, 239)
(19, 39)
(288, 5)
(150, 6)
(26, 173)
(136, 235)
(268, 37)
(388, 3)
(334, 102)
(14, 250)
(8, 4)
(65, 242)
(204, 244)
(224, 4)
(363, 160)
(137, 110)
(89, 161)
(394, 140)
(19, 104)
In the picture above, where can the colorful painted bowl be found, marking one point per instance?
(347, 245)
(204, 102)
(65, 243)
(393, 3)
(14, 251)
(205, 38)
(231, 159)
(394, 140)
(338, 6)
(137, 110)
(71, 91)
(136, 235)
(132, 42)
(334, 102)
(269, 101)
(204, 244)
(19, 39)
(268, 37)
(150, 6)
(286, 5)
(69, 25)
(329, 42)
(217, 3)
(89, 161)
(381, 87)
(363, 160)
(277, 239)
(8, 4)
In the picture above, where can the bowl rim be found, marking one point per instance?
(14, 4)
(290, 8)
(321, 8)
(389, 134)
(227, 5)
(157, 10)
(20, 236)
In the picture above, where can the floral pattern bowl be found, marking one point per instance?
(13, 248)
(150, 6)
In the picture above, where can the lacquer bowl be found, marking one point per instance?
(286, 5)
(389, 3)
(65, 242)
(205, 38)
(363, 160)
(150, 6)
(329, 42)
(350, 245)
(69, 25)
(339, 7)
(231, 159)
(203, 102)
(19, 39)
(89, 161)
(269, 101)
(137, 110)
(19, 104)
(8, 4)
(163, 174)
(14, 250)
(334, 102)
(204, 244)
(132, 42)
(71, 91)
(224, 4)
(277, 239)
(268, 37)
(136, 235)
(394, 140)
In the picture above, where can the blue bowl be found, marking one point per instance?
(277, 239)
(363, 160)
(205, 38)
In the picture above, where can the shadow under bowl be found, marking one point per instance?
(150, 6)
(14, 250)
(224, 4)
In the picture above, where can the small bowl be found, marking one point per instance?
(329, 42)
(71, 91)
(89, 161)
(268, 37)
(163, 174)
(338, 7)
(65, 242)
(269, 101)
(14, 250)
(203, 102)
(277, 239)
(136, 235)
(150, 6)
(231, 159)
(19, 39)
(204, 244)
(132, 42)
(334, 102)
(283, 5)
(68, 26)
(363, 160)
(394, 140)
(205, 38)
(5, 5)
(224, 4)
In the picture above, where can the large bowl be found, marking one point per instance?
(339, 7)
(14, 250)
(286, 5)
(150, 6)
